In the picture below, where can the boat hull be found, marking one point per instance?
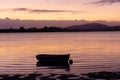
(51, 58)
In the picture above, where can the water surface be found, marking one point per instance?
(91, 51)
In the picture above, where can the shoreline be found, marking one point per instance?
(54, 76)
(57, 31)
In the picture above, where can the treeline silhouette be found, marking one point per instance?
(34, 29)
(57, 29)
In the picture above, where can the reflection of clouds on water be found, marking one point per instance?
(91, 51)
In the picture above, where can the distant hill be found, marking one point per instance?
(89, 26)
(74, 28)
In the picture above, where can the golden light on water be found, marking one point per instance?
(91, 51)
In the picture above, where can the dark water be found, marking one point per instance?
(91, 51)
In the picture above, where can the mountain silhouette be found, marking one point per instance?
(88, 26)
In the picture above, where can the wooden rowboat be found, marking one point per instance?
(53, 58)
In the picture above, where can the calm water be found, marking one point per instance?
(91, 51)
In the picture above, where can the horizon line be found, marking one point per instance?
(7, 18)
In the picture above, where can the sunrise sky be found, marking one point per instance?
(60, 9)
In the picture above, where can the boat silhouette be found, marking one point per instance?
(53, 58)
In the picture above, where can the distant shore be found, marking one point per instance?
(92, 27)
(89, 76)
(2, 31)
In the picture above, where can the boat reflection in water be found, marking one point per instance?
(65, 66)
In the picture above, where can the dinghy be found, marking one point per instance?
(53, 58)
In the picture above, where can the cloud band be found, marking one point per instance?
(106, 1)
(41, 10)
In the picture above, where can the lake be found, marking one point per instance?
(90, 51)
